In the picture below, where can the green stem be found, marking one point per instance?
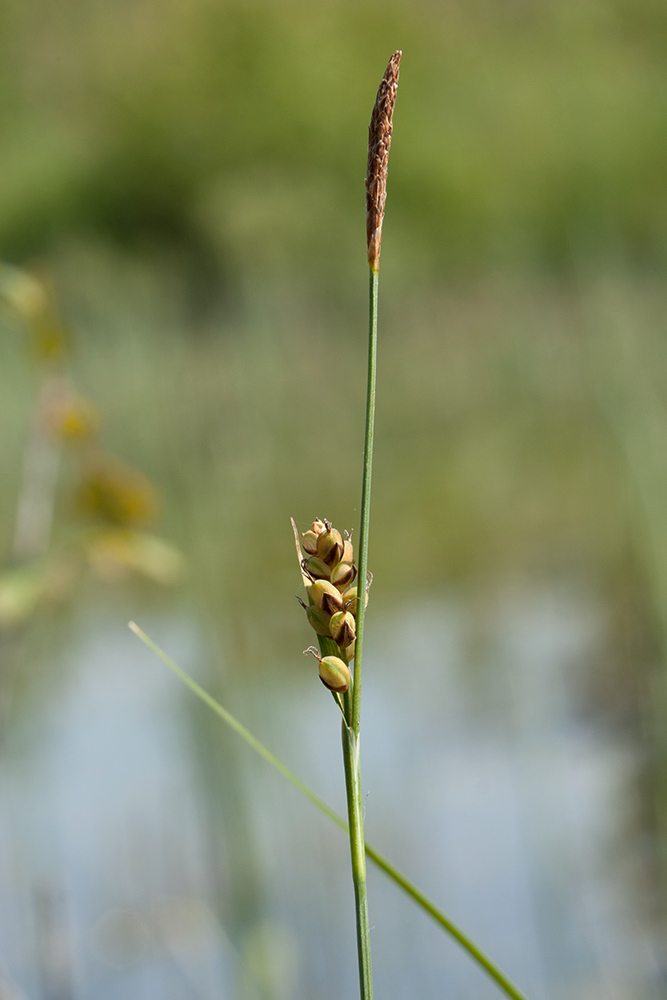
(351, 732)
(366, 495)
(393, 873)
(358, 857)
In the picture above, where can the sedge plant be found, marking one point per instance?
(337, 589)
(337, 609)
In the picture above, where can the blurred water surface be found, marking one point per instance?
(494, 791)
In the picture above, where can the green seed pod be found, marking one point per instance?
(326, 596)
(343, 574)
(343, 628)
(316, 569)
(309, 543)
(330, 545)
(351, 600)
(348, 550)
(319, 619)
(335, 674)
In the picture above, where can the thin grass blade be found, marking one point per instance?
(393, 873)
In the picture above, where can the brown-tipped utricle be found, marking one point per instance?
(348, 550)
(379, 141)
(343, 574)
(315, 568)
(309, 542)
(335, 674)
(319, 619)
(330, 545)
(351, 600)
(343, 628)
(326, 596)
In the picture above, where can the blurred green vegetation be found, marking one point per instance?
(226, 137)
(189, 176)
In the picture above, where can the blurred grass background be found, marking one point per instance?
(188, 179)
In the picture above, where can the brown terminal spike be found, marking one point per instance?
(379, 141)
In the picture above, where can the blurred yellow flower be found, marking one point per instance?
(115, 492)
